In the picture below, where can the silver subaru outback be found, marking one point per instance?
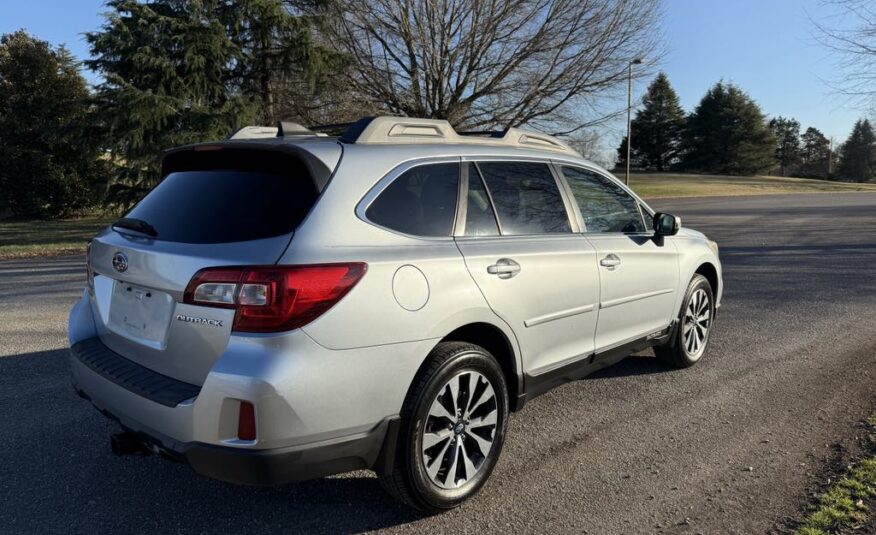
(286, 305)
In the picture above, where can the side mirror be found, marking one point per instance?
(666, 224)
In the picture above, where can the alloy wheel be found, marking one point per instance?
(697, 320)
(459, 431)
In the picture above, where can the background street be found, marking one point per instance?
(732, 445)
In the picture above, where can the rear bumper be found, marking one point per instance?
(227, 463)
(284, 465)
(318, 411)
(371, 450)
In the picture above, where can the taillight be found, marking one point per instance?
(89, 274)
(274, 298)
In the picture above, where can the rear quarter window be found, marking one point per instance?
(420, 202)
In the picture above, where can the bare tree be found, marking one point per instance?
(495, 63)
(853, 39)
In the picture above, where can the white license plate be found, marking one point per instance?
(141, 314)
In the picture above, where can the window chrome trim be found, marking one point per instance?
(461, 201)
(390, 177)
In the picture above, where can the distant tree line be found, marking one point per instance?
(727, 133)
(182, 71)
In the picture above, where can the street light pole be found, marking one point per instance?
(635, 61)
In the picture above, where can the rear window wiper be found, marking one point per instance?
(139, 225)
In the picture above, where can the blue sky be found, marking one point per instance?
(764, 46)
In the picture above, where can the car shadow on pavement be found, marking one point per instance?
(58, 475)
(633, 365)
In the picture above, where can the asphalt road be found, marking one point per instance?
(731, 445)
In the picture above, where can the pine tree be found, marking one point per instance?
(787, 134)
(166, 67)
(814, 154)
(277, 50)
(727, 134)
(656, 129)
(858, 154)
(51, 164)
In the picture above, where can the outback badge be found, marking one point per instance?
(200, 321)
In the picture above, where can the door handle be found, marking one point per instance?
(611, 261)
(505, 268)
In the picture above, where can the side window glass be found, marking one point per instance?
(421, 202)
(605, 206)
(648, 218)
(526, 198)
(480, 220)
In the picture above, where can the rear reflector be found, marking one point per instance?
(274, 298)
(246, 424)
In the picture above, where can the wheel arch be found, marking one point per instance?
(497, 343)
(710, 272)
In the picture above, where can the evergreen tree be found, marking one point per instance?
(656, 129)
(814, 153)
(166, 68)
(51, 163)
(727, 134)
(787, 134)
(858, 154)
(277, 50)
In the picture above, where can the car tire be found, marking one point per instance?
(424, 473)
(690, 338)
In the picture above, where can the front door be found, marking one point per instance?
(638, 275)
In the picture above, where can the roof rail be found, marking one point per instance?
(254, 132)
(402, 130)
(283, 129)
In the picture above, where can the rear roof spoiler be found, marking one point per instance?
(319, 158)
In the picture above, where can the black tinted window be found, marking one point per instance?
(526, 197)
(421, 202)
(605, 206)
(479, 217)
(222, 206)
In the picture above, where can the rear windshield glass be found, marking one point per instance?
(222, 206)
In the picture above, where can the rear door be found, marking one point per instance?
(536, 274)
(242, 212)
(638, 275)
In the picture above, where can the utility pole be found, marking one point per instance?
(830, 158)
(635, 61)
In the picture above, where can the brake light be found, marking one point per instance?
(274, 298)
(89, 274)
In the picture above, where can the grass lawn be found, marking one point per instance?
(20, 239)
(845, 505)
(656, 185)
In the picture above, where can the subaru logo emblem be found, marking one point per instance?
(120, 262)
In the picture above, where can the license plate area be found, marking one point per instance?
(140, 314)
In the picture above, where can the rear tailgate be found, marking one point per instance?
(237, 210)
